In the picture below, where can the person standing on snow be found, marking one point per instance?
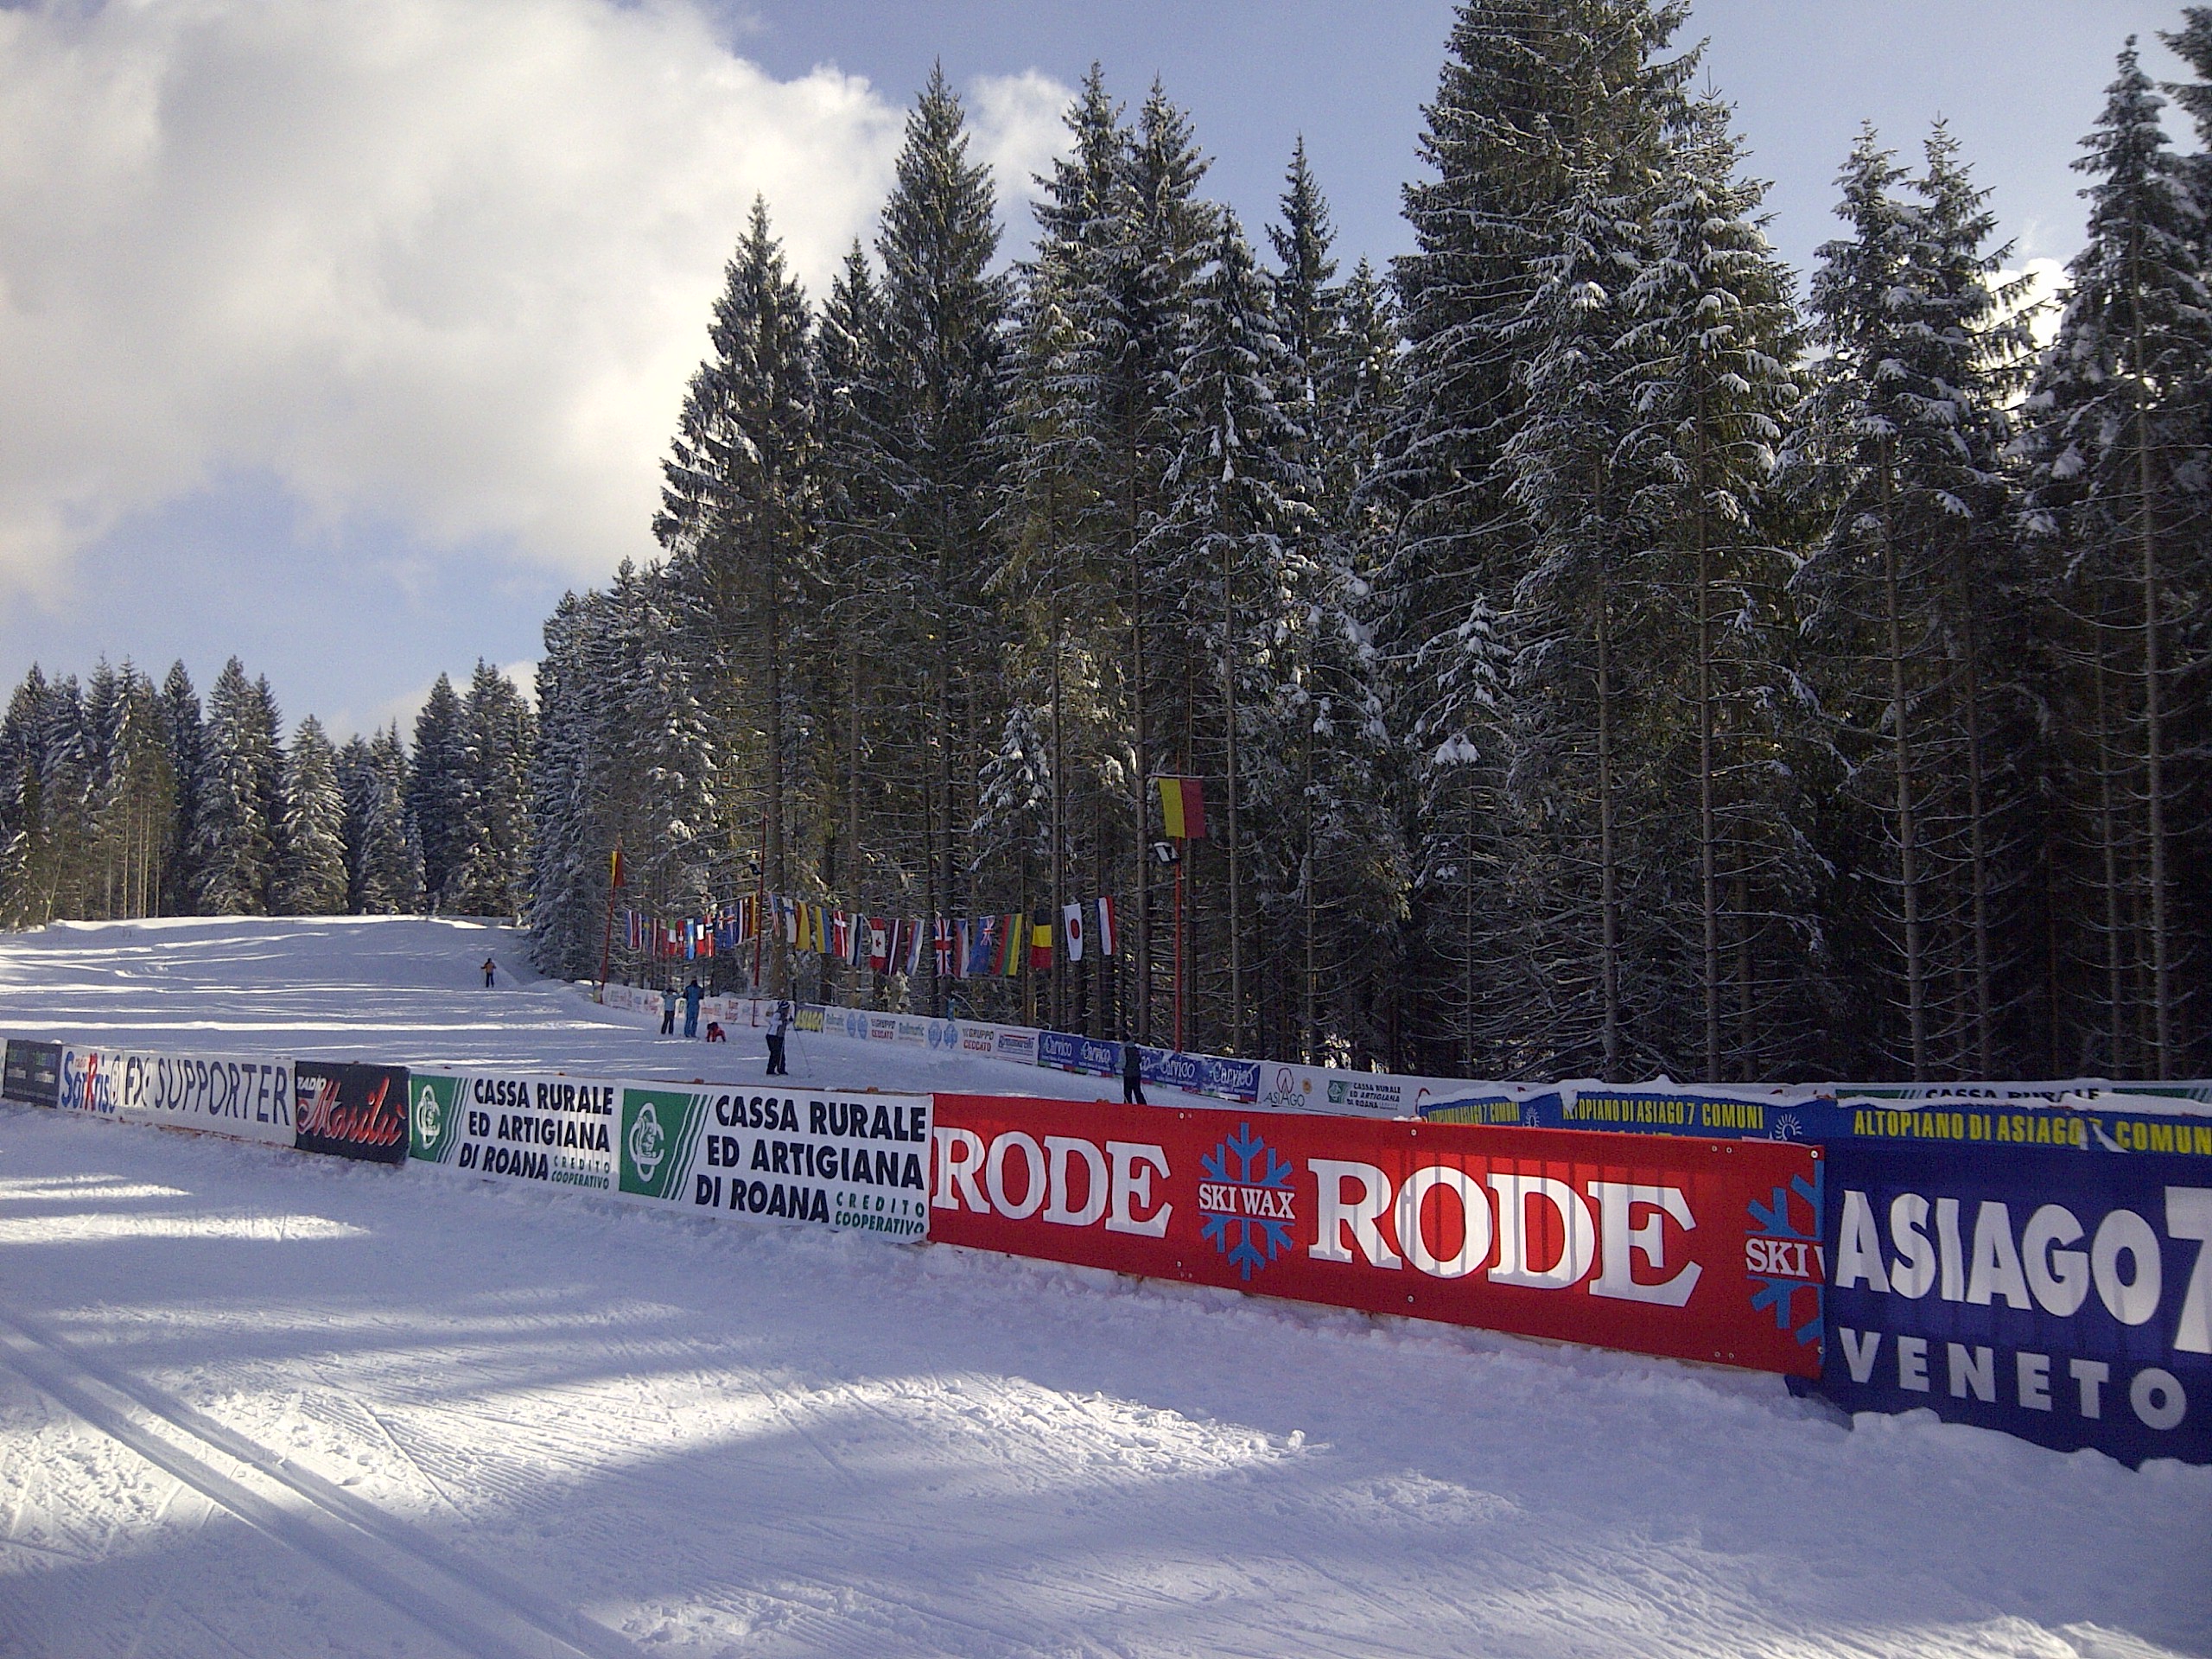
(1132, 1075)
(779, 1024)
(491, 967)
(692, 995)
(667, 1010)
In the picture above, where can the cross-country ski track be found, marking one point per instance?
(254, 1402)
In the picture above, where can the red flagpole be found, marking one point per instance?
(606, 939)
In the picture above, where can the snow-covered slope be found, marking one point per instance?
(410, 992)
(254, 1402)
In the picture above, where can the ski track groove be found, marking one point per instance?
(343, 1513)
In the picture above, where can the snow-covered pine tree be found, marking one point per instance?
(944, 311)
(312, 879)
(2121, 475)
(851, 408)
(35, 847)
(495, 871)
(1132, 297)
(1533, 96)
(182, 729)
(1708, 382)
(1232, 556)
(570, 868)
(1063, 582)
(134, 813)
(1351, 890)
(741, 504)
(236, 847)
(1912, 624)
(441, 800)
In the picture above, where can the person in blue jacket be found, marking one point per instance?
(692, 995)
(667, 1010)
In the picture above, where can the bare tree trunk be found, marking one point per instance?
(1984, 996)
(1310, 1041)
(2108, 834)
(1236, 867)
(2153, 724)
(1608, 852)
(1709, 871)
(773, 564)
(1916, 966)
(1141, 1025)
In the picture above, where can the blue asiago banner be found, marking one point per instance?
(2063, 1299)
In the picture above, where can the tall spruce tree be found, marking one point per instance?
(182, 726)
(237, 849)
(440, 795)
(2119, 453)
(312, 880)
(1534, 98)
(741, 505)
(494, 873)
(944, 311)
(1237, 568)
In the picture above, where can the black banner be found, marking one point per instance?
(33, 1073)
(351, 1111)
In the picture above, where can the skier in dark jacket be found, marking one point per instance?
(692, 995)
(778, 1024)
(1132, 1075)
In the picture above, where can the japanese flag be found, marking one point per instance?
(1071, 916)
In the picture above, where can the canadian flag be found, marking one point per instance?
(878, 944)
(1071, 915)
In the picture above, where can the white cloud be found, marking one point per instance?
(444, 261)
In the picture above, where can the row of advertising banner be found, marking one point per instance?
(2001, 1268)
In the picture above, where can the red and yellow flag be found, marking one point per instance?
(1183, 808)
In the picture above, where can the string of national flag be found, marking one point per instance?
(960, 947)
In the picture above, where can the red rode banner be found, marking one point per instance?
(1689, 1248)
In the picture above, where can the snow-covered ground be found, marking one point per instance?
(254, 1402)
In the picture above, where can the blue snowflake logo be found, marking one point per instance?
(1792, 1255)
(1248, 1210)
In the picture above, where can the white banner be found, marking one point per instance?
(859, 1161)
(516, 1125)
(248, 1098)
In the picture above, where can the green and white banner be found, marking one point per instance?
(858, 1160)
(522, 1126)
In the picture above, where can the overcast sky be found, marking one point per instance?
(345, 337)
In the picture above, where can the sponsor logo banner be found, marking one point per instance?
(1697, 1249)
(1672, 1111)
(521, 1126)
(247, 1099)
(856, 1161)
(1016, 1043)
(1063, 1051)
(1495, 1110)
(1167, 1068)
(33, 1073)
(2063, 1298)
(91, 1080)
(1229, 1079)
(351, 1110)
